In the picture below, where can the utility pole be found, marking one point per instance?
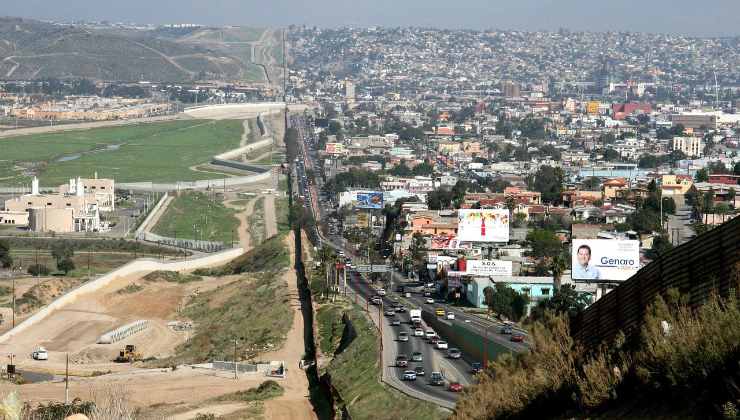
(13, 299)
(66, 381)
(235, 368)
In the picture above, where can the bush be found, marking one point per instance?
(265, 391)
(171, 277)
(38, 270)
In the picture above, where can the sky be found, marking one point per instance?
(688, 17)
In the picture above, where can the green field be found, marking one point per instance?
(195, 215)
(160, 152)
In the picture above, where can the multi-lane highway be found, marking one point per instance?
(454, 370)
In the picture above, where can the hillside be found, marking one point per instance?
(31, 49)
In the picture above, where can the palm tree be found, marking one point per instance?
(558, 266)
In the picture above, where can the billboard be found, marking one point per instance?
(483, 225)
(490, 268)
(592, 107)
(334, 148)
(369, 200)
(605, 259)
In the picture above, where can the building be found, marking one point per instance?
(349, 91)
(75, 210)
(622, 111)
(510, 89)
(690, 146)
(100, 190)
(726, 179)
(695, 121)
(675, 184)
(537, 288)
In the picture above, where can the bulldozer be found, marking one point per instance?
(128, 355)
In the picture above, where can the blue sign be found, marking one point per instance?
(369, 200)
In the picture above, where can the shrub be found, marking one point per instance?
(38, 270)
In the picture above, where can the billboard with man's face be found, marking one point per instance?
(483, 225)
(605, 259)
(369, 200)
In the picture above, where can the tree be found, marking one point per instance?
(66, 265)
(61, 250)
(418, 248)
(38, 270)
(736, 169)
(592, 183)
(6, 261)
(661, 245)
(566, 300)
(702, 175)
(506, 301)
(731, 193)
(544, 243)
(549, 182)
(611, 155)
(558, 266)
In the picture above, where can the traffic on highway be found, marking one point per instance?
(416, 358)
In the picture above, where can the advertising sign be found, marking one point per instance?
(605, 259)
(369, 200)
(592, 107)
(489, 267)
(334, 148)
(483, 225)
(445, 242)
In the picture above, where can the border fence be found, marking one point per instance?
(709, 263)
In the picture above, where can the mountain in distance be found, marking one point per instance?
(31, 49)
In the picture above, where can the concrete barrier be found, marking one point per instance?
(123, 332)
(139, 266)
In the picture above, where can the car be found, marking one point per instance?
(402, 360)
(381, 292)
(396, 323)
(426, 294)
(455, 387)
(430, 301)
(517, 337)
(409, 375)
(408, 294)
(439, 312)
(505, 329)
(40, 354)
(419, 371)
(401, 309)
(417, 356)
(430, 334)
(454, 353)
(433, 340)
(390, 312)
(377, 301)
(475, 368)
(436, 379)
(441, 345)
(403, 336)
(450, 315)
(419, 332)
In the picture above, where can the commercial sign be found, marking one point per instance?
(489, 268)
(334, 148)
(483, 225)
(592, 107)
(375, 268)
(605, 259)
(369, 200)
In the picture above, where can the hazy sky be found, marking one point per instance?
(691, 17)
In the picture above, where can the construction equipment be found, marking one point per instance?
(128, 355)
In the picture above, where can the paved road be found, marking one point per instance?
(678, 226)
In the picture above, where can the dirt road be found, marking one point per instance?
(271, 228)
(244, 238)
(87, 125)
(294, 403)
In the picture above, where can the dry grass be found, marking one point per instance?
(684, 363)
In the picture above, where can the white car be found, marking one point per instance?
(419, 332)
(430, 301)
(430, 334)
(441, 345)
(381, 292)
(409, 375)
(40, 354)
(403, 336)
(450, 315)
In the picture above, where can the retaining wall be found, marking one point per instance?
(140, 266)
(196, 185)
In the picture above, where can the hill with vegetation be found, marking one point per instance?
(32, 49)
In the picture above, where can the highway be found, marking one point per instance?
(458, 370)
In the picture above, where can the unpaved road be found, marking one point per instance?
(243, 217)
(271, 228)
(294, 403)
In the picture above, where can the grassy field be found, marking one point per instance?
(161, 152)
(355, 372)
(269, 256)
(99, 262)
(193, 215)
(281, 214)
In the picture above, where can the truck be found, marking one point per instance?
(415, 315)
